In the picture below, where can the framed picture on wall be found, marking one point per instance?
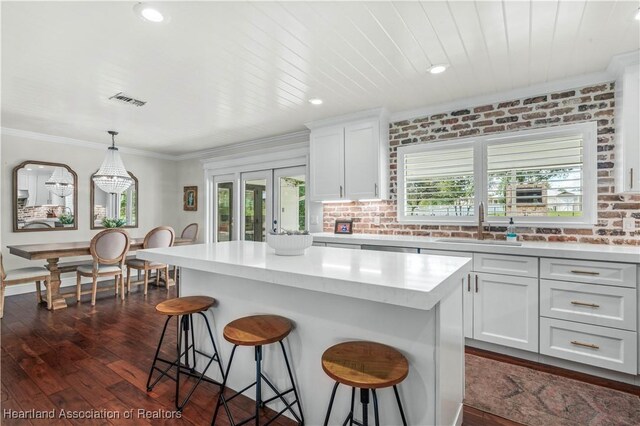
(343, 226)
(190, 199)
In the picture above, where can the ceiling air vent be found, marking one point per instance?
(121, 97)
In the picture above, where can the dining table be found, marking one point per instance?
(53, 252)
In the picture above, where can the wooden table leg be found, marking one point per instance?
(57, 300)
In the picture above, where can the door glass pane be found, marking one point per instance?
(255, 209)
(291, 210)
(224, 211)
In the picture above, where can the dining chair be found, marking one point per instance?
(190, 232)
(162, 236)
(37, 225)
(109, 250)
(30, 274)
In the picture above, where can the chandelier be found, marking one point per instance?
(60, 183)
(112, 177)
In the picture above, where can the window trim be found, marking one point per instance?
(588, 132)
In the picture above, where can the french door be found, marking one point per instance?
(256, 204)
(249, 205)
(289, 199)
(225, 201)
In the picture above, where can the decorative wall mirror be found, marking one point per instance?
(114, 210)
(45, 197)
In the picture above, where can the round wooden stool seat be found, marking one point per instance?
(257, 330)
(365, 365)
(185, 305)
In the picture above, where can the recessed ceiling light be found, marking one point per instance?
(437, 69)
(315, 101)
(148, 12)
(638, 15)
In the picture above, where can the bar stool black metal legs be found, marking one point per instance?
(364, 400)
(258, 331)
(367, 366)
(185, 363)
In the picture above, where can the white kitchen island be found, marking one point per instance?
(409, 301)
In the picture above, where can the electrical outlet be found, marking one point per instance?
(314, 220)
(629, 224)
(376, 220)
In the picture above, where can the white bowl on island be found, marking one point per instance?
(289, 244)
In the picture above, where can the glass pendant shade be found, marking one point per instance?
(60, 183)
(112, 177)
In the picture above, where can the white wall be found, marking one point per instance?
(158, 204)
(190, 173)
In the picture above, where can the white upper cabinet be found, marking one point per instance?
(361, 155)
(327, 164)
(349, 158)
(628, 130)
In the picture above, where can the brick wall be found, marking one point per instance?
(591, 103)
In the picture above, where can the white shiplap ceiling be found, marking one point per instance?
(225, 72)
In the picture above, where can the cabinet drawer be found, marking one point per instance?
(608, 273)
(505, 264)
(590, 344)
(589, 303)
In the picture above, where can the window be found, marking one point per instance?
(545, 176)
(540, 177)
(440, 183)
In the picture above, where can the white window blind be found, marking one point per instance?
(539, 178)
(439, 182)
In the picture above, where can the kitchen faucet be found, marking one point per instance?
(481, 221)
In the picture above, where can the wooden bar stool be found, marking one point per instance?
(256, 331)
(183, 308)
(367, 366)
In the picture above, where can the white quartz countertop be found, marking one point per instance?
(409, 280)
(609, 253)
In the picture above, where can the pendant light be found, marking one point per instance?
(60, 183)
(112, 177)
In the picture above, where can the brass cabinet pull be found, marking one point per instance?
(468, 282)
(476, 283)
(577, 271)
(586, 345)
(593, 305)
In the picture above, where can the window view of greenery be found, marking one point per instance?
(439, 183)
(123, 206)
(535, 178)
(225, 202)
(542, 178)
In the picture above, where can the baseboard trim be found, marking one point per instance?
(459, 416)
(558, 371)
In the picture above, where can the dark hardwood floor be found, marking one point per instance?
(83, 358)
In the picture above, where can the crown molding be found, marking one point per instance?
(522, 92)
(348, 118)
(7, 131)
(620, 62)
(242, 148)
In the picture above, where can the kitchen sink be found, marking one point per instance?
(485, 242)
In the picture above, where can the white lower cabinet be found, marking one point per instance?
(590, 344)
(467, 305)
(505, 310)
(595, 304)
